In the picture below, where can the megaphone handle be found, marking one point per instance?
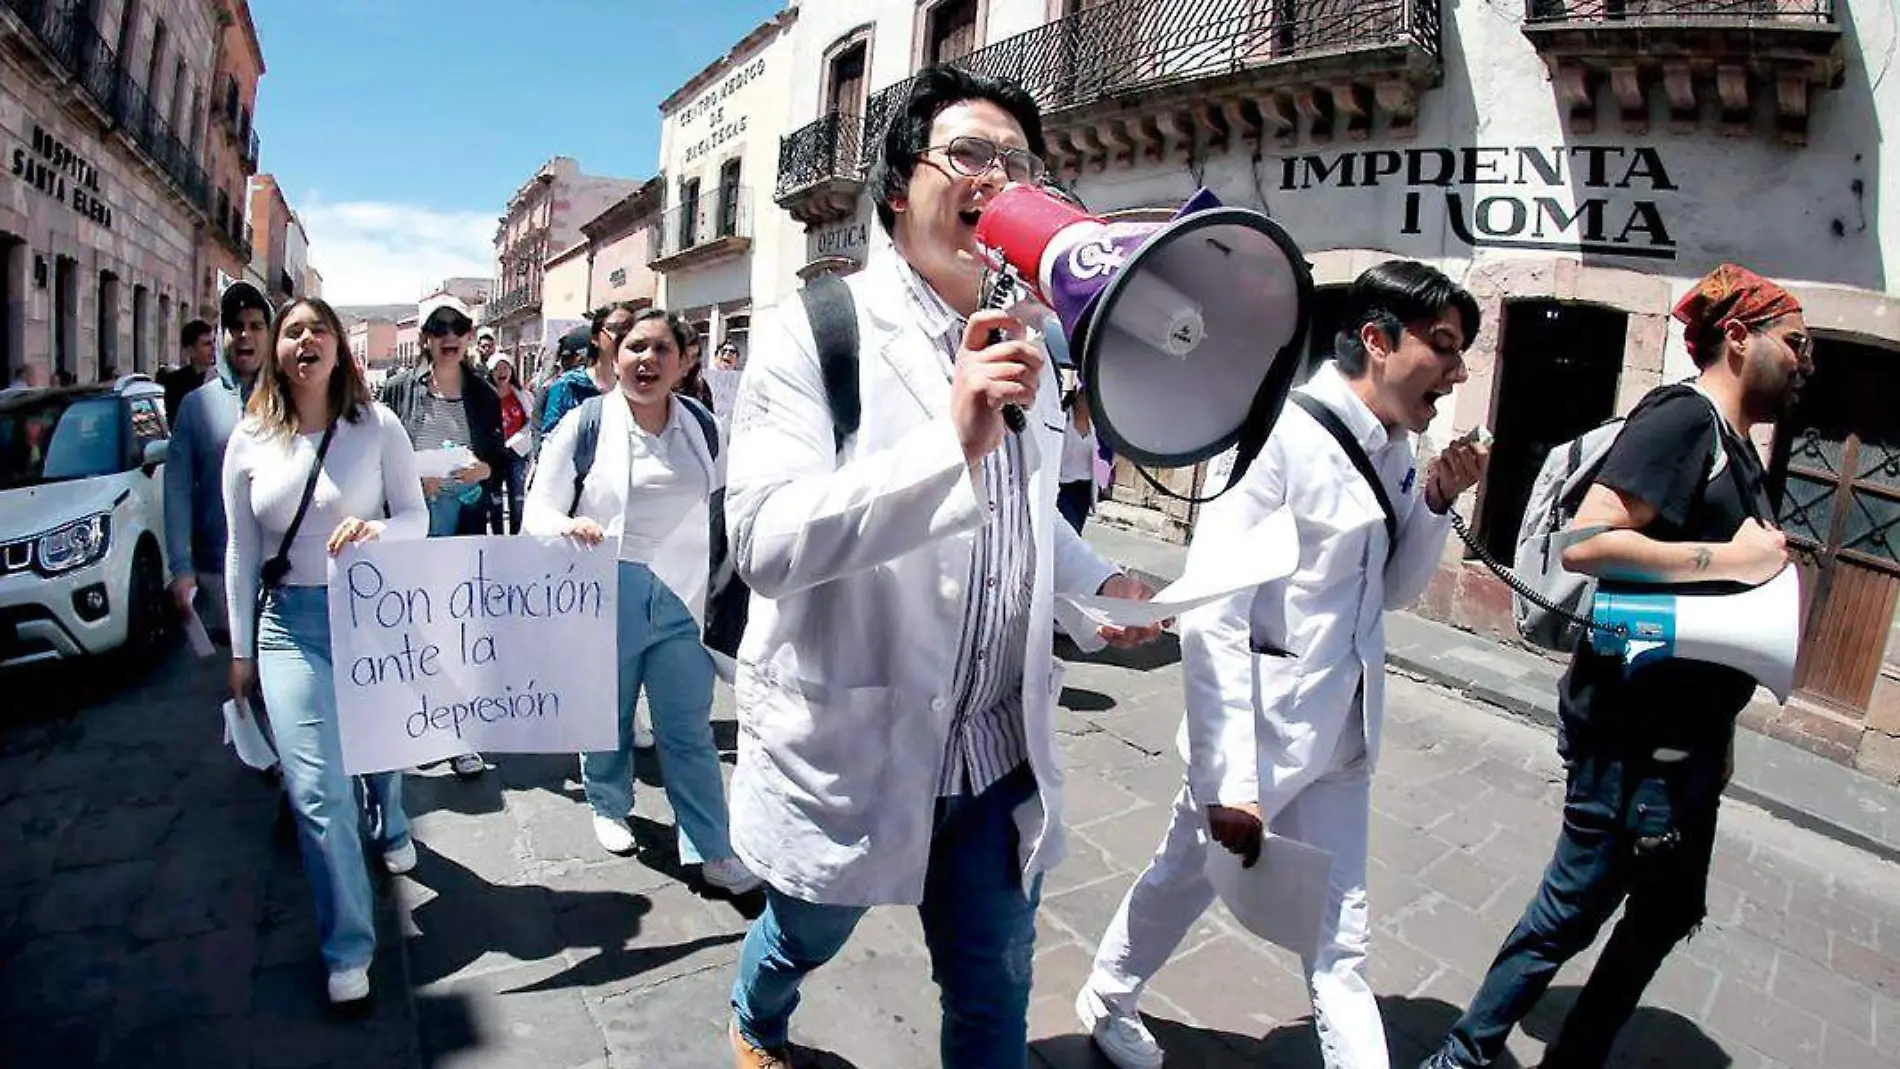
(1013, 417)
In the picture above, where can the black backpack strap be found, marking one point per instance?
(1330, 420)
(586, 444)
(834, 330)
(706, 425)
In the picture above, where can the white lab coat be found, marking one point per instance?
(1260, 722)
(681, 559)
(858, 564)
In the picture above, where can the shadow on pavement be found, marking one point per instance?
(468, 917)
(1653, 1039)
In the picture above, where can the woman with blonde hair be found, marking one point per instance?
(313, 468)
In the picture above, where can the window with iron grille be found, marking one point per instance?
(729, 198)
(689, 211)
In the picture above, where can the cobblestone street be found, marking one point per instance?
(150, 914)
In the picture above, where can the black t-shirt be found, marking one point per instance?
(1665, 457)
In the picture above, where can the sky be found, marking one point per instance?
(398, 129)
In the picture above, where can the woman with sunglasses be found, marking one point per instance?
(445, 403)
(311, 427)
(650, 488)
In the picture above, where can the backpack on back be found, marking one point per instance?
(1554, 618)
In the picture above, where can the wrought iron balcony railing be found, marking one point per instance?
(512, 301)
(825, 149)
(1691, 11)
(81, 51)
(1118, 46)
(711, 218)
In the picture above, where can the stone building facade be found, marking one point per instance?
(104, 189)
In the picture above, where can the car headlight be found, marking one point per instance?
(74, 545)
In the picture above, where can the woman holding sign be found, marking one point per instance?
(312, 464)
(640, 466)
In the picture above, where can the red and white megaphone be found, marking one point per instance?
(1186, 331)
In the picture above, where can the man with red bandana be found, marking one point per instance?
(1680, 503)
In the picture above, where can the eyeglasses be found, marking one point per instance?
(973, 157)
(441, 326)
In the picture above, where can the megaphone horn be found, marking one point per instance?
(1756, 631)
(1186, 331)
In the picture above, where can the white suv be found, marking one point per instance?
(82, 521)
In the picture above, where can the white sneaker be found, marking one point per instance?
(1122, 1039)
(468, 765)
(642, 736)
(730, 875)
(614, 835)
(400, 859)
(349, 985)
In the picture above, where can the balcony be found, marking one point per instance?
(1161, 79)
(1731, 55)
(77, 49)
(706, 232)
(819, 171)
(229, 112)
(506, 304)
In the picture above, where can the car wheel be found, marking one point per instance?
(148, 625)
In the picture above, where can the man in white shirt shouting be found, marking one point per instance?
(1286, 682)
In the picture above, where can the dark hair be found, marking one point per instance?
(598, 323)
(1392, 294)
(270, 401)
(682, 331)
(908, 135)
(194, 330)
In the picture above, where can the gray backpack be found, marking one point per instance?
(1553, 612)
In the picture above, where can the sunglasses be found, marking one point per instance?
(973, 157)
(442, 326)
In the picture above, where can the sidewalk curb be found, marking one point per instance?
(1810, 792)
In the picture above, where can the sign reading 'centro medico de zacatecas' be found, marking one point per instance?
(1597, 199)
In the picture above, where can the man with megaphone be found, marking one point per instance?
(1679, 498)
(896, 682)
(1285, 682)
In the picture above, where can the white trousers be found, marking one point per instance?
(1329, 810)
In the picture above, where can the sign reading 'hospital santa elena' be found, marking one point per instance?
(1599, 199)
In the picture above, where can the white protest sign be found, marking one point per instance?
(447, 645)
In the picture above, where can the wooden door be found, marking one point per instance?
(1837, 457)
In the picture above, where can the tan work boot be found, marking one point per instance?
(747, 1056)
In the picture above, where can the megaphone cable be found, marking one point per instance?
(1523, 589)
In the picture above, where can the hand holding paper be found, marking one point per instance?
(1269, 550)
(442, 463)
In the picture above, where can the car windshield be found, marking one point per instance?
(57, 436)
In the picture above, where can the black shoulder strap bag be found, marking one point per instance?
(1347, 443)
(271, 575)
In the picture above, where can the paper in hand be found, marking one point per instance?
(197, 637)
(243, 735)
(1216, 568)
(442, 463)
(1282, 899)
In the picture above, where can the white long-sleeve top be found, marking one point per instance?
(1271, 672)
(370, 463)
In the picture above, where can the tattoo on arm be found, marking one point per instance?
(1701, 558)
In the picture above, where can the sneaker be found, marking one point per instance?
(747, 1056)
(1122, 1039)
(349, 985)
(399, 860)
(642, 736)
(468, 765)
(614, 835)
(730, 875)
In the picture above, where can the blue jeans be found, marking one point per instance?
(979, 925)
(1636, 833)
(293, 670)
(660, 650)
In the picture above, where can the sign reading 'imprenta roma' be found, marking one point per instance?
(1596, 199)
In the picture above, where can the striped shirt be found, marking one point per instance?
(987, 736)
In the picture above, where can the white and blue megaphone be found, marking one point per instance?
(1757, 631)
